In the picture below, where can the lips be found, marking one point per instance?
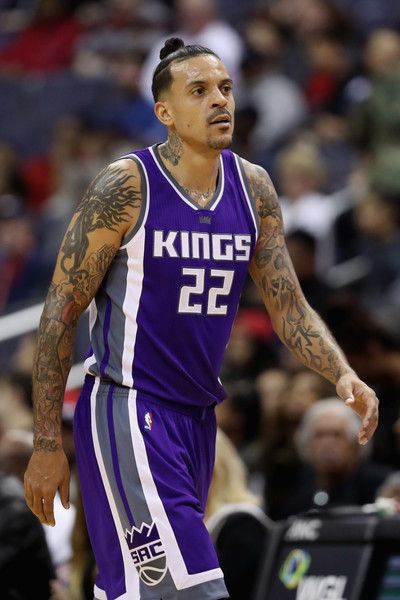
(221, 118)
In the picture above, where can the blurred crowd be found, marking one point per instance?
(317, 86)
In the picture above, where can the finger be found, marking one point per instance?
(370, 419)
(38, 507)
(48, 509)
(64, 492)
(28, 494)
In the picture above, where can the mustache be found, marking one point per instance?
(220, 112)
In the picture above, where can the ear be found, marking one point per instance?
(161, 110)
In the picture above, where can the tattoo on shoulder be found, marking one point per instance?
(172, 149)
(105, 205)
(263, 192)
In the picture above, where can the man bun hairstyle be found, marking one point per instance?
(171, 45)
(174, 49)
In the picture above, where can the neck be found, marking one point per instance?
(194, 168)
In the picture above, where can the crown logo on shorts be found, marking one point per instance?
(147, 552)
(139, 537)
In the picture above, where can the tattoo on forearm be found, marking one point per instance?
(298, 325)
(104, 205)
(172, 149)
(64, 304)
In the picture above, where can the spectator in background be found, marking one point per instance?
(330, 70)
(279, 460)
(374, 351)
(25, 565)
(131, 115)
(46, 44)
(376, 121)
(23, 271)
(277, 100)
(238, 526)
(302, 249)
(301, 175)
(16, 447)
(334, 470)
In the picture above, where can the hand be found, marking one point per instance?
(362, 399)
(46, 473)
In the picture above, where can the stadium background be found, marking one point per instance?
(317, 85)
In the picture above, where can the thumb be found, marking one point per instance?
(345, 391)
(64, 492)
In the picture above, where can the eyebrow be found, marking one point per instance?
(203, 82)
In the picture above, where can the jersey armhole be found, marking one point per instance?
(144, 191)
(248, 193)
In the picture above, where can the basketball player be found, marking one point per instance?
(160, 246)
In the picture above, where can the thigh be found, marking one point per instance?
(153, 489)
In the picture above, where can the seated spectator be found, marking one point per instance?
(16, 447)
(302, 249)
(46, 44)
(301, 175)
(237, 525)
(25, 564)
(374, 352)
(280, 461)
(335, 470)
(24, 273)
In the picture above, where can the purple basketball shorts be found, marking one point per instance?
(144, 470)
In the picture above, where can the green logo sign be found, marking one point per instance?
(294, 568)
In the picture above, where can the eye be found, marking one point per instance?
(198, 91)
(227, 88)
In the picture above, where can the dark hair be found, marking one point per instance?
(174, 49)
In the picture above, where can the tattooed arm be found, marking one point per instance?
(299, 327)
(109, 209)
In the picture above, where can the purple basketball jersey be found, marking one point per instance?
(162, 318)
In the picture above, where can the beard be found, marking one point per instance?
(220, 143)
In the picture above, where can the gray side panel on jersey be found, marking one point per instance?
(97, 338)
(116, 289)
(105, 447)
(143, 191)
(248, 191)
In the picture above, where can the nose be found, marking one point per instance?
(218, 98)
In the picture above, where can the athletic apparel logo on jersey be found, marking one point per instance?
(147, 552)
(148, 420)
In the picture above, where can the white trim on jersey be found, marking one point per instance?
(100, 594)
(134, 286)
(175, 562)
(131, 575)
(246, 195)
(192, 204)
(91, 359)
(222, 190)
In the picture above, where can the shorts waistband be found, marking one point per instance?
(198, 412)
